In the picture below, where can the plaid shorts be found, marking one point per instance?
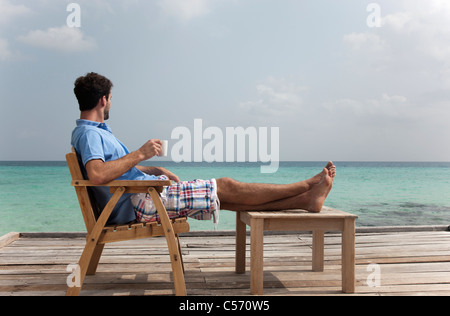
(195, 199)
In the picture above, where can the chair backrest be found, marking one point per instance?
(88, 208)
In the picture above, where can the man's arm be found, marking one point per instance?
(100, 172)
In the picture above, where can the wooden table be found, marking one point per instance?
(296, 220)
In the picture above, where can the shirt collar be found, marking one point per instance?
(103, 126)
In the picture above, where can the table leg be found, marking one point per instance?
(318, 250)
(241, 240)
(348, 256)
(257, 256)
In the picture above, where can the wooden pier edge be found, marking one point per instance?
(11, 237)
(8, 239)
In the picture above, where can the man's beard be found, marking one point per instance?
(106, 115)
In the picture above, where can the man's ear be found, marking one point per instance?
(102, 102)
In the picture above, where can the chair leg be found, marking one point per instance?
(92, 268)
(177, 265)
(181, 253)
(172, 245)
(73, 291)
(85, 259)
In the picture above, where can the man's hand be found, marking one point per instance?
(171, 175)
(151, 149)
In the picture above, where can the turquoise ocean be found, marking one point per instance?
(38, 197)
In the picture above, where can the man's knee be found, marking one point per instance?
(227, 186)
(227, 183)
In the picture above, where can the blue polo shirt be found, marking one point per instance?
(95, 141)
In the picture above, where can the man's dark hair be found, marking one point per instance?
(90, 89)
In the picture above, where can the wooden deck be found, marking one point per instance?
(410, 263)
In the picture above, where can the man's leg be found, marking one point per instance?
(309, 194)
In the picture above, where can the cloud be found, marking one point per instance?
(8, 11)
(187, 10)
(382, 107)
(415, 37)
(276, 99)
(5, 53)
(428, 28)
(60, 39)
(368, 41)
(391, 112)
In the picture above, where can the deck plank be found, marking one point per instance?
(411, 263)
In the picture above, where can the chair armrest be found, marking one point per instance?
(131, 186)
(123, 183)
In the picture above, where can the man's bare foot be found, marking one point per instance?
(318, 177)
(332, 169)
(319, 192)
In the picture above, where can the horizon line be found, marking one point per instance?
(225, 162)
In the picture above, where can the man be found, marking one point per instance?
(106, 159)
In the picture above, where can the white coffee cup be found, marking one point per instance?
(165, 147)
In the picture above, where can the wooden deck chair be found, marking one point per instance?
(98, 234)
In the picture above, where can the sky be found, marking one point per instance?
(347, 80)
